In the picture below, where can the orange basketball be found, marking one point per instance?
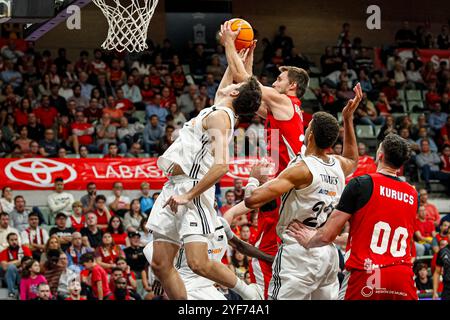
(245, 36)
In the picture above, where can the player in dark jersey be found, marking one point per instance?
(381, 210)
(442, 263)
(281, 107)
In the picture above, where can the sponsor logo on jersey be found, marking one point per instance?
(193, 224)
(214, 251)
(329, 179)
(327, 192)
(396, 195)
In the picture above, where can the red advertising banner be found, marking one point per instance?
(426, 55)
(40, 173)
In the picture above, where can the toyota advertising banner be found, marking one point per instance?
(40, 173)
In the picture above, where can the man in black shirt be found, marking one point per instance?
(442, 262)
(92, 235)
(135, 253)
(64, 234)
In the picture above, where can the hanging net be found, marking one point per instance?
(128, 22)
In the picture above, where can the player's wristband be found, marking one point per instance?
(253, 181)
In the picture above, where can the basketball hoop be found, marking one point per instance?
(128, 23)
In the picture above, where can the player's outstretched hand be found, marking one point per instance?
(226, 34)
(300, 232)
(261, 171)
(352, 104)
(175, 201)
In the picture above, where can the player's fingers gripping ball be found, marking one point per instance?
(245, 37)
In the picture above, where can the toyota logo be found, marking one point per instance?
(38, 172)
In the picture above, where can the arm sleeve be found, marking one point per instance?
(227, 229)
(356, 194)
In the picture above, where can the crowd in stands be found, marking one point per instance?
(132, 106)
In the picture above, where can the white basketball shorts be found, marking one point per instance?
(197, 217)
(305, 274)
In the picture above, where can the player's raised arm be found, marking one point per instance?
(349, 158)
(297, 176)
(227, 79)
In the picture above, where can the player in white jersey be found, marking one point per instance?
(184, 212)
(197, 287)
(309, 187)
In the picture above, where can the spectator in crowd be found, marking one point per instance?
(86, 88)
(34, 237)
(152, 135)
(98, 278)
(178, 117)
(186, 101)
(23, 141)
(431, 211)
(93, 112)
(423, 135)
(92, 234)
(117, 231)
(83, 152)
(19, 216)
(135, 253)
(437, 119)
(135, 151)
(102, 212)
(117, 202)
(428, 163)
(131, 90)
(106, 132)
(107, 253)
(46, 114)
(67, 276)
(11, 76)
(77, 219)
(121, 291)
(127, 133)
(49, 146)
(442, 268)
(423, 281)
(75, 251)
(82, 133)
(230, 201)
(256, 138)
(366, 164)
(6, 229)
(238, 190)
(35, 129)
(53, 243)
(132, 219)
(405, 37)
(245, 233)
(129, 275)
(30, 279)
(239, 264)
(75, 291)
(442, 235)
(424, 233)
(88, 200)
(113, 152)
(145, 199)
(146, 235)
(44, 292)
(61, 230)
(443, 39)
(60, 201)
(10, 261)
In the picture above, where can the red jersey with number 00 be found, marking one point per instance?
(381, 233)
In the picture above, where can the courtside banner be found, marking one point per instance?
(40, 173)
(426, 55)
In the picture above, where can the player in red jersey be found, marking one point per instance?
(285, 135)
(382, 211)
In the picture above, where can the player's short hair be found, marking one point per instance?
(396, 150)
(299, 76)
(249, 98)
(325, 129)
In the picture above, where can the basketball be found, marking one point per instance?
(245, 36)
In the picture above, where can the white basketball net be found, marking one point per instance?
(128, 23)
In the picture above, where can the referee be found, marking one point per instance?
(442, 262)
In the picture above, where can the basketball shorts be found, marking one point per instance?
(305, 274)
(389, 283)
(198, 217)
(207, 293)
